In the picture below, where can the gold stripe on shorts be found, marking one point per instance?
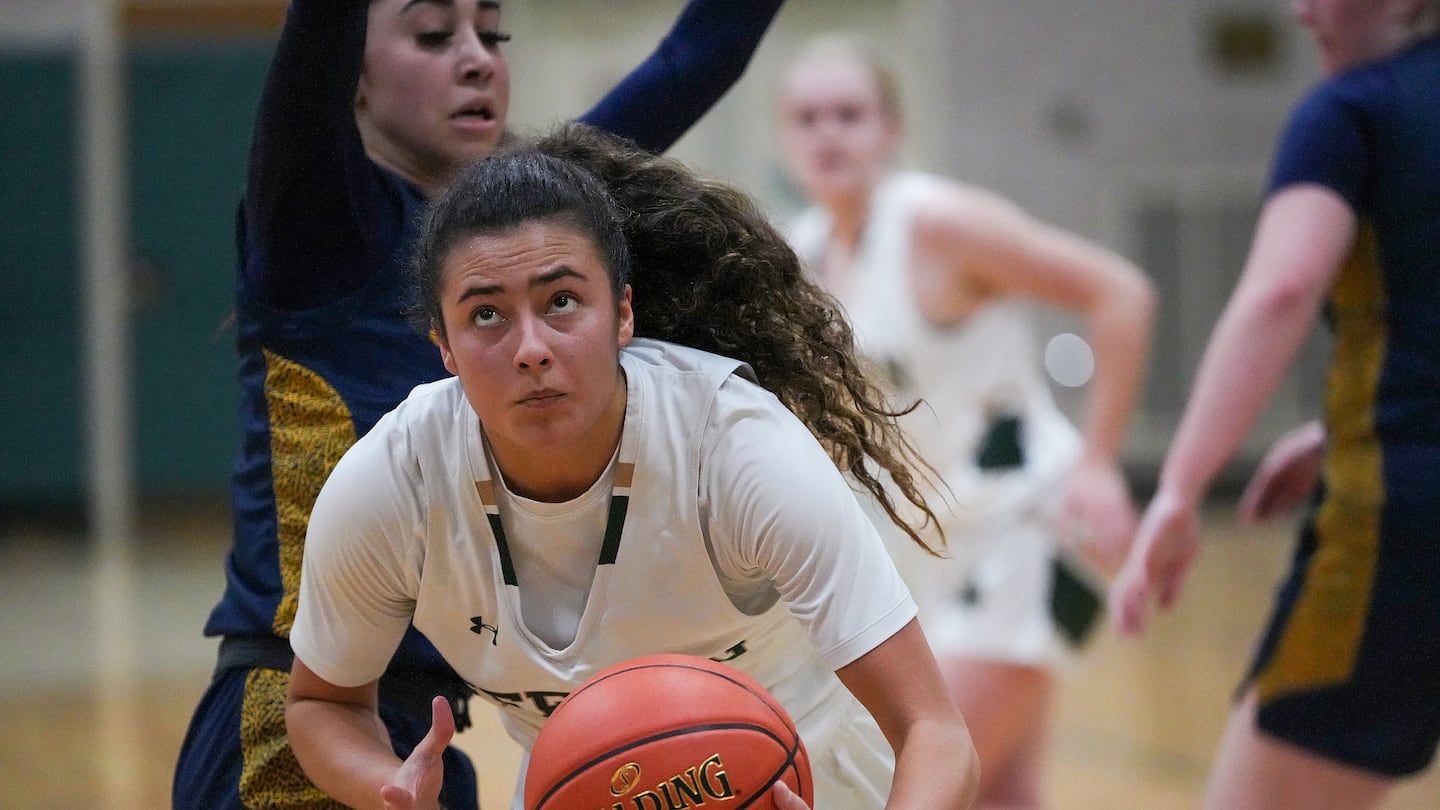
(1321, 638)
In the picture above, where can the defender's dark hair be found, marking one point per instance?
(706, 270)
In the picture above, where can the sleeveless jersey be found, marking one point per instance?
(987, 421)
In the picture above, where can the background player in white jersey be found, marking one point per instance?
(933, 276)
(721, 525)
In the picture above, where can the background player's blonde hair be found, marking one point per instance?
(846, 47)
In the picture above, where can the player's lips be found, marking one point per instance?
(829, 161)
(477, 113)
(540, 398)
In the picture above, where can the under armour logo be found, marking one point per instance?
(478, 625)
(730, 654)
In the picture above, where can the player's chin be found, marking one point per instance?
(467, 147)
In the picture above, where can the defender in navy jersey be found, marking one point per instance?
(1343, 696)
(368, 110)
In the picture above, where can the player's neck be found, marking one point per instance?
(567, 470)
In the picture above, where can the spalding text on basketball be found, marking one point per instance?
(698, 785)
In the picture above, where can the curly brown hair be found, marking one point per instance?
(707, 270)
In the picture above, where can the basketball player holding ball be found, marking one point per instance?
(645, 449)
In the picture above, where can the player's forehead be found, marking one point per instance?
(533, 255)
(407, 8)
(830, 80)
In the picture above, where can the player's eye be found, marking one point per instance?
(564, 302)
(485, 316)
(433, 39)
(491, 38)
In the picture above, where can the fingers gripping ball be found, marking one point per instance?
(666, 731)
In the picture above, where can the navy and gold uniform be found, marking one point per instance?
(1350, 665)
(326, 350)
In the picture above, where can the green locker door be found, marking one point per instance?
(191, 108)
(40, 365)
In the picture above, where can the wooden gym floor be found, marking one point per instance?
(101, 665)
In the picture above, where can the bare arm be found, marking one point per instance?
(997, 250)
(344, 748)
(1304, 234)
(935, 762)
(1000, 251)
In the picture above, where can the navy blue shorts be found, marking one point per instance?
(244, 710)
(1349, 667)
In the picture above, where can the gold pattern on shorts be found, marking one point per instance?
(271, 777)
(1321, 639)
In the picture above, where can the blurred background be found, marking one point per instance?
(1145, 125)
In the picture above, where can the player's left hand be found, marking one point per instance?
(1098, 516)
(417, 783)
(785, 798)
(1287, 475)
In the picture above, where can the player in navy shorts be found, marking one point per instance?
(1343, 697)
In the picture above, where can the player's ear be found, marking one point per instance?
(626, 312)
(445, 356)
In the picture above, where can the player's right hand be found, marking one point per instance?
(416, 785)
(1165, 548)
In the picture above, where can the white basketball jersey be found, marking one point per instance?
(409, 526)
(974, 379)
(654, 555)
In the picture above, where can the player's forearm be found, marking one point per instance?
(1253, 345)
(343, 748)
(935, 761)
(307, 160)
(926, 776)
(1120, 330)
(696, 63)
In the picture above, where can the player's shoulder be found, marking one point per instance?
(431, 402)
(1372, 88)
(409, 449)
(432, 415)
(696, 382)
(941, 208)
(662, 358)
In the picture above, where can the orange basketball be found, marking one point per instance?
(666, 731)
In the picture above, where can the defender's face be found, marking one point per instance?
(837, 137)
(435, 89)
(534, 332)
